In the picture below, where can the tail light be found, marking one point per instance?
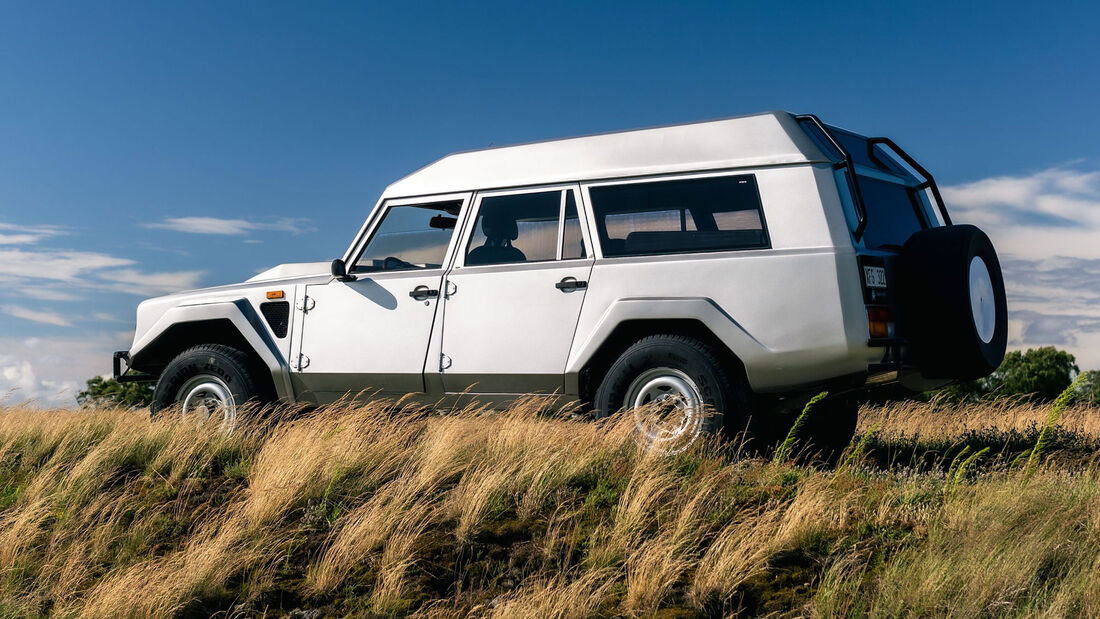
(879, 322)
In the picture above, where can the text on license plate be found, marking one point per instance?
(874, 276)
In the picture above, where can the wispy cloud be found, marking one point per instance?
(137, 282)
(1046, 213)
(46, 294)
(15, 234)
(20, 268)
(39, 316)
(230, 227)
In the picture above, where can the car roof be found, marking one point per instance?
(770, 138)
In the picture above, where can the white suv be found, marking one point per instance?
(737, 265)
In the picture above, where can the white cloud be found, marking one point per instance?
(51, 371)
(215, 225)
(39, 316)
(1047, 213)
(136, 282)
(1046, 227)
(47, 294)
(90, 270)
(13, 234)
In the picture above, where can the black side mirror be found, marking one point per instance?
(340, 271)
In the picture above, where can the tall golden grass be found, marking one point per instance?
(378, 510)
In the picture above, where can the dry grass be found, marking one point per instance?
(377, 510)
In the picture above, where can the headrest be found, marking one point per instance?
(499, 225)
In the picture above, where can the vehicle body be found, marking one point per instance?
(775, 245)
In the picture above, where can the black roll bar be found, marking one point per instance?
(857, 195)
(929, 182)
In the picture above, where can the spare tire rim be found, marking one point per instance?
(205, 396)
(983, 305)
(667, 407)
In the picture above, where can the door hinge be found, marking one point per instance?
(449, 288)
(299, 363)
(444, 362)
(306, 303)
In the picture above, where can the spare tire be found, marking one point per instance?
(951, 302)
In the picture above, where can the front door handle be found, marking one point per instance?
(571, 283)
(422, 292)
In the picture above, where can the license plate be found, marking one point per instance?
(875, 277)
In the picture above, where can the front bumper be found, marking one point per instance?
(125, 375)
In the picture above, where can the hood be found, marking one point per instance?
(294, 269)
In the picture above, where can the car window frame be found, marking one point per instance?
(591, 212)
(475, 208)
(377, 216)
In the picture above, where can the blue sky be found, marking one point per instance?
(148, 147)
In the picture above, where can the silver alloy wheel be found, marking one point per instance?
(983, 305)
(204, 396)
(675, 413)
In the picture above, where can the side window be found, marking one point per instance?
(679, 216)
(410, 237)
(515, 228)
(572, 238)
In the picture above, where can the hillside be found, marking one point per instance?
(366, 511)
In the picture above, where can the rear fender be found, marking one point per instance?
(702, 309)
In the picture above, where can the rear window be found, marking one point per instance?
(893, 215)
(679, 216)
(894, 210)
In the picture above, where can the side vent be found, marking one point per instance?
(277, 315)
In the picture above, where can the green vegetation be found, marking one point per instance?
(108, 392)
(1040, 373)
(375, 511)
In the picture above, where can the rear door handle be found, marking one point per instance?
(571, 283)
(423, 292)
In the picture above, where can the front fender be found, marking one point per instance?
(244, 318)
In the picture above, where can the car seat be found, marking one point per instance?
(500, 230)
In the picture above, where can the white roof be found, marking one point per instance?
(771, 138)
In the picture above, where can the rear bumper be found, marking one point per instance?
(124, 375)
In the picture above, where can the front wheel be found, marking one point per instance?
(209, 380)
(673, 386)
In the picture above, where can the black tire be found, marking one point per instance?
(935, 306)
(722, 394)
(830, 427)
(231, 366)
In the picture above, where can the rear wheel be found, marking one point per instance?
(209, 380)
(674, 387)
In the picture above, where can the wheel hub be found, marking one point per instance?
(983, 305)
(667, 407)
(205, 396)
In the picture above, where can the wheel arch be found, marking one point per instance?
(235, 324)
(629, 320)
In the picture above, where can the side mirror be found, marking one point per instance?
(340, 271)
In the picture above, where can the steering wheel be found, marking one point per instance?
(396, 262)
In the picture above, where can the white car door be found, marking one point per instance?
(515, 293)
(372, 333)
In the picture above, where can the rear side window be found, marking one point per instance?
(679, 216)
